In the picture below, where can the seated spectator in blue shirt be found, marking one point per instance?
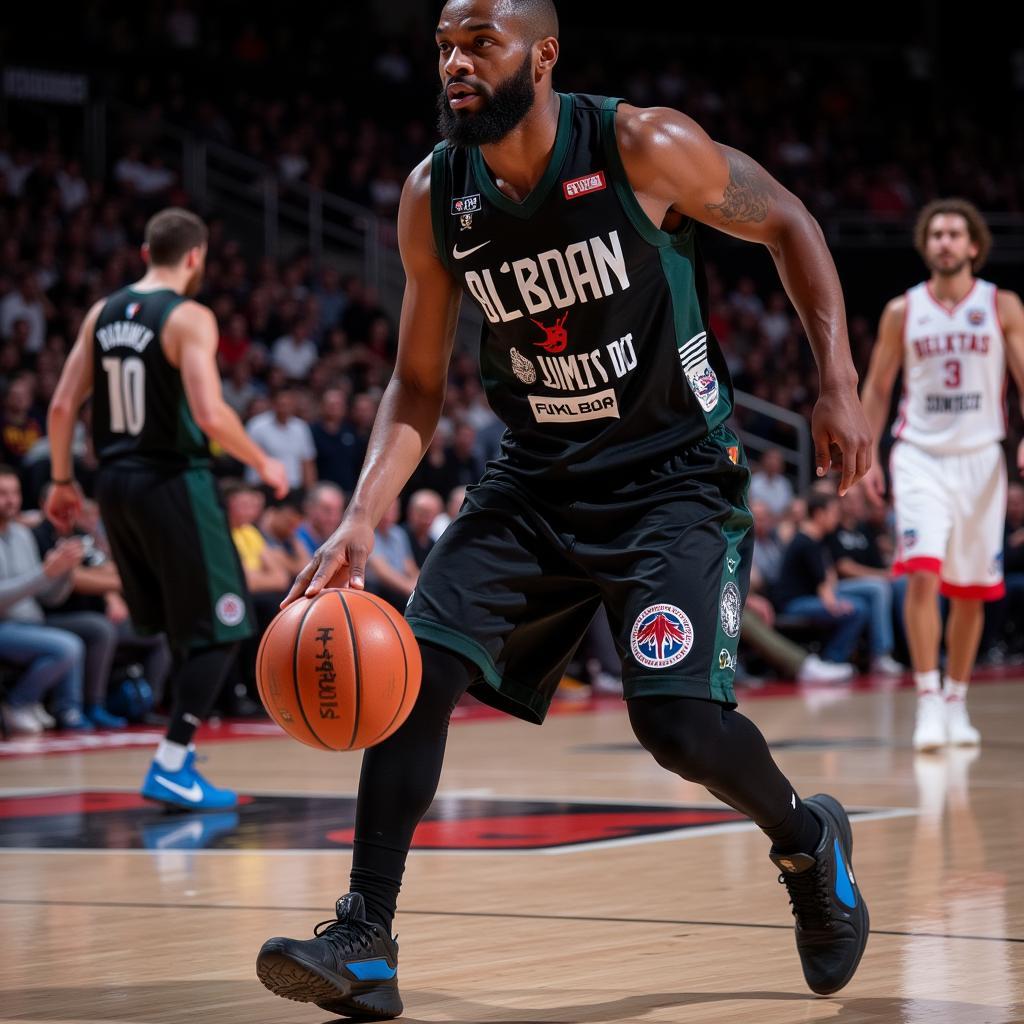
(807, 581)
(424, 508)
(325, 505)
(390, 569)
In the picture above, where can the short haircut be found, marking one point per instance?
(171, 233)
(8, 471)
(818, 501)
(539, 16)
(976, 226)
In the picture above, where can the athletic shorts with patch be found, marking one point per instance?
(516, 578)
(950, 516)
(179, 568)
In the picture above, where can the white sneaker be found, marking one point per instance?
(20, 719)
(958, 725)
(43, 717)
(886, 665)
(814, 670)
(930, 725)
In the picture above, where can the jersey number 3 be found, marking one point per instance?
(952, 368)
(126, 385)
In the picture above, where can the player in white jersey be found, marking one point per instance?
(953, 336)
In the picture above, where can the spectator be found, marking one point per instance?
(806, 585)
(234, 343)
(451, 510)
(19, 429)
(336, 442)
(279, 525)
(390, 569)
(424, 508)
(325, 505)
(768, 549)
(283, 436)
(770, 485)
(862, 573)
(26, 302)
(264, 569)
(240, 390)
(295, 353)
(53, 659)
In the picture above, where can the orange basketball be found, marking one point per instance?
(339, 671)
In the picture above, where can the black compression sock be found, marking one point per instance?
(798, 832)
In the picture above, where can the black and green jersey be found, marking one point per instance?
(596, 350)
(139, 413)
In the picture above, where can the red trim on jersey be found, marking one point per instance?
(950, 312)
(1002, 397)
(995, 308)
(922, 563)
(974, 591)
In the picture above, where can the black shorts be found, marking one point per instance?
(179, 567)
(516, 578)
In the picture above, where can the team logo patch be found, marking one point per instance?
(584, 185)
(522, 367)
(732, 563)
(975, 317)
(909, 538)
(465, 222)
(704, 384)
(466, 204)
(131, 309)
(726, 660)
(555, 337)
(734, 454)
(693, 356)
(661, 636)
(731, 609)
(230, 609)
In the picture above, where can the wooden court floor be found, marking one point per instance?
(563, 877)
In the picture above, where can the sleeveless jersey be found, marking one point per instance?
(139, 412)
(954, 372)
(595, 350)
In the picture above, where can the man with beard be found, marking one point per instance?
(570, 221)
(148, 356)
(952, 336)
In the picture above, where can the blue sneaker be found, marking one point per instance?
(186, 788)
(103, 719)
(832, 921)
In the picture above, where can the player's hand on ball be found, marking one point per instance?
(339, 562)
(275, 476)
(840, 432)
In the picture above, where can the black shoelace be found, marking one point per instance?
(347, 936)
(809, 897)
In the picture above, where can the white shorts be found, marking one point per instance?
(950, 517)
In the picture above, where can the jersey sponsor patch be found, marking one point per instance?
(574, 408)
(522, 367)
(975, 317)
(693, 357)
(131, 309)
(731, 609)
(584, 185)
(230, 609)
(466, 204)
(662, 636)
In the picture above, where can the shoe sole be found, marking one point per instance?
(834, 809)
(292, 977)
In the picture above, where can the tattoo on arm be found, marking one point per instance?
(748, 195)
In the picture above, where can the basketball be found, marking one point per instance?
(339, 671)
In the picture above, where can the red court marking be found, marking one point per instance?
(531, 831)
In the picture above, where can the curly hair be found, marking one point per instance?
(976, 226)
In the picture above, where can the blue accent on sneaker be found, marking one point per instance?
(844, 888)
(186, 788)
(372, 970)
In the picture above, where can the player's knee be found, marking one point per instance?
(922, 586)
(677, 742)
(446, 677)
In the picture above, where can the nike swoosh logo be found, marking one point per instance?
(469, 252)
(193, 794)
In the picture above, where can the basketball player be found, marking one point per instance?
(952, 336)
(569, 220)
(147, 354)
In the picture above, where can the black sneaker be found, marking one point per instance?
(350, 968)
(831, 916)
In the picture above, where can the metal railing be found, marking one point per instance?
(798, 456)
